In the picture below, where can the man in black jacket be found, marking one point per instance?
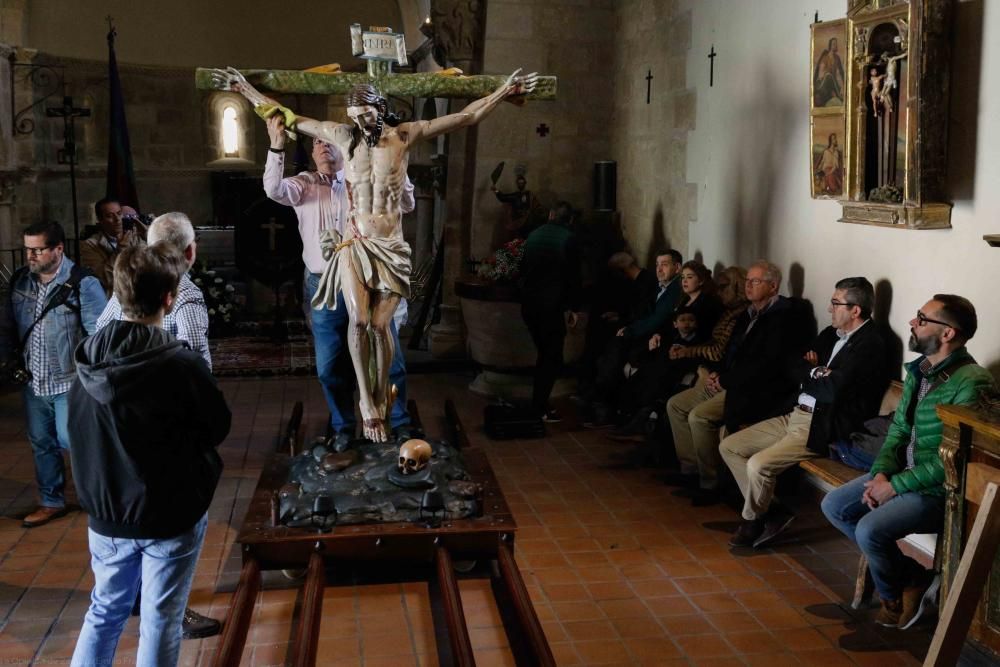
(550, 271)
(843, 377)
(751, 384)
(147, 418)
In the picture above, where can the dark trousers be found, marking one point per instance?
(548, 331)
(656, 380)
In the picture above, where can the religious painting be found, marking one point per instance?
(827, 156)
(828, 82)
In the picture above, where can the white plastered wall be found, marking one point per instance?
(749, 152)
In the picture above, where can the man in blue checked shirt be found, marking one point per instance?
(53, 304)
(188, 320)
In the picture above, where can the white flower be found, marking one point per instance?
(230, 288)
(218, 281)
(211, 311)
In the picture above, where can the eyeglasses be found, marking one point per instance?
(923, 319)
(835, 303)
(753, 282)
(35, 252)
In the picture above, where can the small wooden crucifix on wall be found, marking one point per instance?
(711, 66)
(649, 84)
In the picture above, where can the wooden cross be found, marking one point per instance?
(542, 130)
(711, 66)
(272, 227)
(420, 84)
(649, 84)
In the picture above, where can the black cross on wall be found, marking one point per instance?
(542, 130)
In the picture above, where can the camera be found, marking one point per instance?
(16, 373)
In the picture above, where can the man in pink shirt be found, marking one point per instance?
(320, 201)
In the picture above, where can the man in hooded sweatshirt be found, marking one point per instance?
(147, 419)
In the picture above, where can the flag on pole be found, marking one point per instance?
(121, 175)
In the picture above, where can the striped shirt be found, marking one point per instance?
(723, 331)
(187, 320)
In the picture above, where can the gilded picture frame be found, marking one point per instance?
(828, 67)
(826, 156)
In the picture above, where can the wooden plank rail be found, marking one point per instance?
(458, 631)
(234, 632)
(291, 439)
(459, 436)
(307, 631)
(523, 609)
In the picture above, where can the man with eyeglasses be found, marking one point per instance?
(750, 384)
(53, 304)
(843, 378)
(904, 492)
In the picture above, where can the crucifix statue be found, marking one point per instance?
(370, 264)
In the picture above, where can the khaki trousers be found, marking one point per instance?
(759, 453)
(695, 418)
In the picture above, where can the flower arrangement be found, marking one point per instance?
(220, 299)
(505, 264)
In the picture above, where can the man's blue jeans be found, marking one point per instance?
(49, 435)
(334, 368)
(165, 569)
(875, 531)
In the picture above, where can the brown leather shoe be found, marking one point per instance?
(42, 516)
(888, 616)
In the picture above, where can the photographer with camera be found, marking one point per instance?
(53, 304)
(118, 227)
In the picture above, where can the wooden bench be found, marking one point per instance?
(827, 474)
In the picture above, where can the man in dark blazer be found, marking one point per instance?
(752, 383)
(842, 379)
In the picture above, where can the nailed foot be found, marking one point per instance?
(375, 430)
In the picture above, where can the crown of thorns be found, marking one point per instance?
(365, 94)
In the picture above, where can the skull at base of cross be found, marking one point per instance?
(414, 455)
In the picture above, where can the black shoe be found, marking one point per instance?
(775, 523)
(197, 626)
(342, 442)
(681, 479)
(405, 432)
(705, 497)
(747, 533)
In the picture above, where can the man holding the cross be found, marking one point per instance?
(370, 263)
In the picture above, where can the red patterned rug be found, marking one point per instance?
(255, 353)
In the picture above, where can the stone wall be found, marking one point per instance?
(573, 40)
(649, 140)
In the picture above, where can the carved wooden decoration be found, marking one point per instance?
(896, 108)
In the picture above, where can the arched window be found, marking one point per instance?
(230, 131)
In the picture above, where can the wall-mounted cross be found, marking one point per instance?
(711, 66)
(272, 226)
(542, 130)
(649, 84)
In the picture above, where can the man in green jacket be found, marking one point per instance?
(904, 491)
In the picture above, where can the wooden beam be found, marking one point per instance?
(234, 631)
(967, 588)
(458, 632)
(458, 435)
(421, 84)
(292, 430)
(307, 631)
(523, 609)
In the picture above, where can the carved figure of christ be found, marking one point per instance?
(370, 265)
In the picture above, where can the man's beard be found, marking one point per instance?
(926, 346)
(43, 267)
(373, 134)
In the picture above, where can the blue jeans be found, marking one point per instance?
(49, 435)
(335, 371)
(165, 570)
(875, 531)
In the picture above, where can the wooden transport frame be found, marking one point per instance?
(487, 538)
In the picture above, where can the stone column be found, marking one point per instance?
(459, 26)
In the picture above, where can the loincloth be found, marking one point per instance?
(380, 264)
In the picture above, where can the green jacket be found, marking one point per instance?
(959, 388)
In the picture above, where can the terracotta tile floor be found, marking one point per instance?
(620, 571)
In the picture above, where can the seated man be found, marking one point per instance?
(904, 491)
(751, 384)
(631, 341)
(843, 379)
(99, 251)
(147, 418)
